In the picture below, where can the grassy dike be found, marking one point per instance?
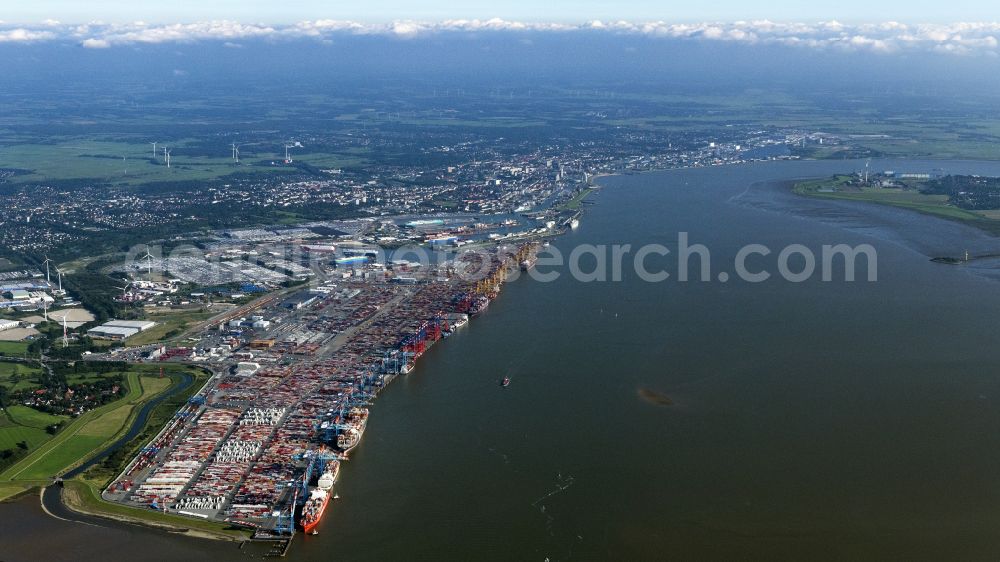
(93, 432)
(86, 434)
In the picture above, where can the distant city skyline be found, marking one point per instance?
(73, 11)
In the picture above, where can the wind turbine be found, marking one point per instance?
(65, 338)
(168, 157)
(154, 150)
(45, 309)
(59, 273)
(288, 158)
(149, 262)
(46, 262)
(124, 289)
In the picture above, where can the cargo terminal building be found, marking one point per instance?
(119, 330)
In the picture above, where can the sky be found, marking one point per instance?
(958, 27)
(571, 11)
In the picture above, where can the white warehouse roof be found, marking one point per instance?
(113, 331)
(140, 325)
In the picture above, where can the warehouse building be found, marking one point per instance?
(119, 330)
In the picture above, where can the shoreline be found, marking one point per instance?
(187, 531)
(936, 238)
(139, 518)
(594, 183)
(941, 211)
(76, 504)
(488, 289)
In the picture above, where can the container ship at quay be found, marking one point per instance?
(247, 449)
(319, 497)
(354, 428)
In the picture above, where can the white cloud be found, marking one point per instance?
(406, 28)
(22, 35)
(91, 43)
(969, 38)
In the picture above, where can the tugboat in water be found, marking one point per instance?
(505, 382)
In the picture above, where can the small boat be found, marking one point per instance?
(505, 382)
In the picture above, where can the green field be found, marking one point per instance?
(87, 433)
(22, 424)
(11, 435)
(17, 376)
(117, 161)
(577, 200)
(30, 417)
(169, 325)
(17, 348)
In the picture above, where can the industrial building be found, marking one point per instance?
(443, 241)
(120, 329)
(140, 325)
(319, 248)
(24, 299)
(351, 261)
(300, 300)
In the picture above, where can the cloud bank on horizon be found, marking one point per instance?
(889, 37)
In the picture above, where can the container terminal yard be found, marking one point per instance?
(261, 444)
